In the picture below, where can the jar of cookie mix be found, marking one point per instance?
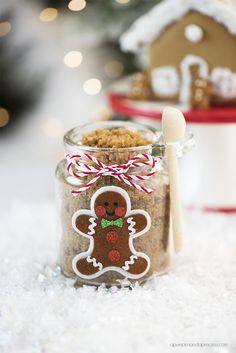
(114, 205)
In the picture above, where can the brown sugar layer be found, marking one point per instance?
(114, 138)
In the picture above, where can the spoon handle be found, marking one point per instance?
(175, 200)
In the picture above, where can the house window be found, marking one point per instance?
(223, 82)
(165, 81)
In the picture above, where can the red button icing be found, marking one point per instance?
(114, 255)
(112, 236)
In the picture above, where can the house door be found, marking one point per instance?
(186, 65)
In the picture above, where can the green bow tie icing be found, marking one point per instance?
(118, 223)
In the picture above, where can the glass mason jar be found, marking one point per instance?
(114, 231)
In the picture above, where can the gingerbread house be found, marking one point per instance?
(188, 43)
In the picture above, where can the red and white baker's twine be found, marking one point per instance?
(78, 168)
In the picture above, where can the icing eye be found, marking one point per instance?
(115, 204)
(106, 203)
(193, 33)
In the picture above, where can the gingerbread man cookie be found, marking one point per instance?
(111, 226)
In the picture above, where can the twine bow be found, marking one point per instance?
(79, 169)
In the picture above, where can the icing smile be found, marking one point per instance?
(110, 213)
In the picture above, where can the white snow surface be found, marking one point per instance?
(150, 26)
(42, 312)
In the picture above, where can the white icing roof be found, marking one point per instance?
(149, 26)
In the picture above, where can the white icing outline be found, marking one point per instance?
(186, 76)
(132, 236)
(131, 261)
(92, 226)
(131, 225)
(94, 262)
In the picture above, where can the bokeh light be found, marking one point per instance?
(92, 86)
(53, 128)
(5, 28)
(113, 69)
(4, 117)
(77, 5)
(49, 14)
(73, 59)
(101, 113)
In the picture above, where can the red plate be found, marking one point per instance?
(127, 107)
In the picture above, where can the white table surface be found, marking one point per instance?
(41, 311)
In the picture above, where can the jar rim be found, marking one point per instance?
(72, 137)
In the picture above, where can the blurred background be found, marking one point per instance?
(56, 60)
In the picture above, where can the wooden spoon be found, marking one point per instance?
(173, 127)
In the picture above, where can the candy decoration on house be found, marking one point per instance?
(140, 88)
(190, 46)
(200, 91)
